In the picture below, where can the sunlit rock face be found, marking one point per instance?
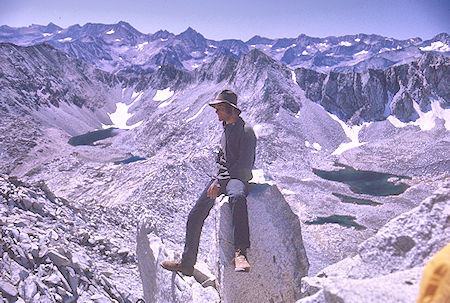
(277, 258)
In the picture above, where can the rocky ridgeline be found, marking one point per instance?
(376, 94)
(50, 252)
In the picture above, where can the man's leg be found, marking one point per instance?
(237, 191)
(194, 227)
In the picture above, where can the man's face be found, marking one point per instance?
(221, 112)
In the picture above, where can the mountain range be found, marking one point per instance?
(120, 48)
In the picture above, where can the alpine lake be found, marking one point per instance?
(360, 182)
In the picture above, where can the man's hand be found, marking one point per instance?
(213, 190)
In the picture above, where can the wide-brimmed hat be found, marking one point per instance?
(226, 96)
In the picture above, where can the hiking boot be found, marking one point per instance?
(240, 261)
(178, 266)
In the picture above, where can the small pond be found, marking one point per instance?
(345, 221)
(129, 160)
(354, 200)
(364, 181)
(91, 137)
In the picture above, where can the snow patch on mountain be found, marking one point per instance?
(287, 192)
(197, 114)
(345, 43)
(438, 46)
(140, 46)
(352, 133)
(110, 32)
(294, 77)
(426, 120)
(163, 95)
(317, 146)
(65, 39)
(120, 117)
(46, 34)
(363, 52)
(322, 46)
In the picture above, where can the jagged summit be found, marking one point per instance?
(192, 37)
(162, 34)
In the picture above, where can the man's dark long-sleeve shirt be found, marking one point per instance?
(237, 152)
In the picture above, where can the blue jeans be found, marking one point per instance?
(237, 192)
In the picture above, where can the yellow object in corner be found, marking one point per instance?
(435, 286)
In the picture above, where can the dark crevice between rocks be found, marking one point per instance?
(345, 221)
(365, 182)
(354, 200)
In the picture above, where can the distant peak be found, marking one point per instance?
(256, 55)
(442, 36)
(124, 24)
(75, 26)
(259, 40)
(52, 27)
(163, 34)
(190, 33)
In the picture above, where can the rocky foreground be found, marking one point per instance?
(55, 252)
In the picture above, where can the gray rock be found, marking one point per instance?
(83, 262)
(7, 289)
(58, 259)
(100, 299)
(27, 203)
(146, 260)
(30, 289)
(277, 256)
(54, 279)
(158, 284)
(43, 250)
(398, 287)
(34, 250)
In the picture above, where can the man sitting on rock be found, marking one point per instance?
(235, 162)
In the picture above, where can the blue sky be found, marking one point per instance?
(219, 20)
